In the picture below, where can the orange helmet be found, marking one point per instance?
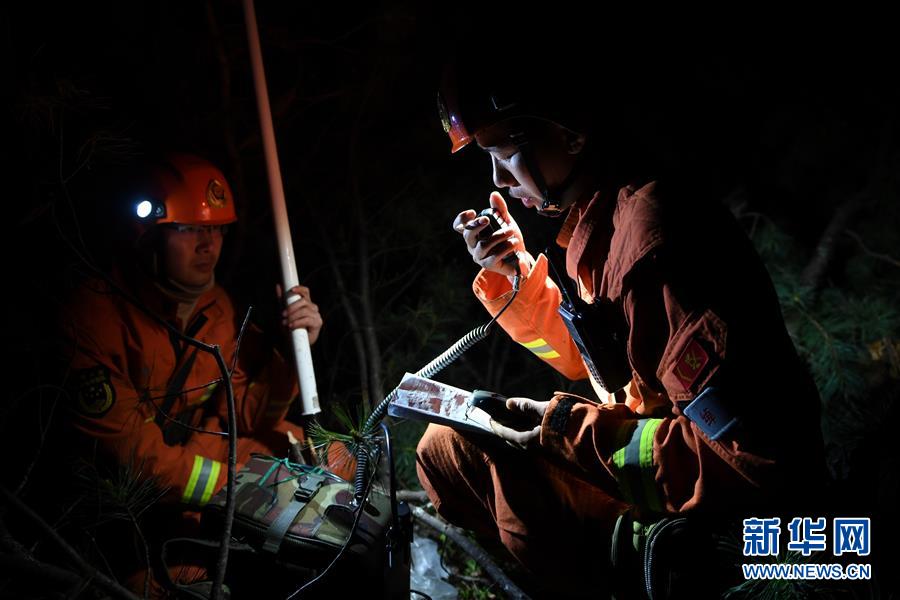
(474, 94)
(184, 189)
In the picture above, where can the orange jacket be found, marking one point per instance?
(699, 308)
(125, 372)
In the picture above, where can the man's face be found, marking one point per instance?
(552, 150)
(191, 252)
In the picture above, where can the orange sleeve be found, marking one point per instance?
(263, 399)
(662, 464)
(659, 464)
(264, 383)
(532, 319)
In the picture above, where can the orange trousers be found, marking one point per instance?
(554, 521)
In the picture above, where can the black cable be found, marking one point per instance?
(442, 551)
(362, 465)
(195, 388)
(392, 477)
(171, 419)
(435, 366)
(446, 358)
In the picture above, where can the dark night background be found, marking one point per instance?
(793, 125)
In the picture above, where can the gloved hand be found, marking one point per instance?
(489, 253)
(302, 313)
(526, 406)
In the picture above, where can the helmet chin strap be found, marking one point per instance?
(551, 200)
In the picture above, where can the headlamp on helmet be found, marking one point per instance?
(148, 209)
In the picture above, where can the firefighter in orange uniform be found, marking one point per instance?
(702, 403)
(143, 397)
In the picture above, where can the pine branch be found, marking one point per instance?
(126, 495)
(101, 580)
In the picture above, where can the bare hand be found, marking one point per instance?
(301, 313)
(528, 407)
(489, 253)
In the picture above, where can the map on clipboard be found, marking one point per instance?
(424, 399)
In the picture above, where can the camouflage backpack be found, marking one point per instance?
(300, 513)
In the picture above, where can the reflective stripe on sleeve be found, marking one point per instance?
(636, 469)
(541, 348)
(202, 482)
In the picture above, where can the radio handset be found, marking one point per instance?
(598, 330)
(495, 224)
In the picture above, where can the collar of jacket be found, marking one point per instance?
(586, 235)
(148, 293)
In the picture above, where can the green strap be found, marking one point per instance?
(296, 470)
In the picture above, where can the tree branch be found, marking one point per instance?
(352, 318)
(877, 255)
(43, 429)
(411, 277)
(880, 176)
(33, 570)
(224, 544)
(814, 273)
(412, 496)
(471, 548)
(102, 581)
(10, 544)
(231, 145)
(376, 387)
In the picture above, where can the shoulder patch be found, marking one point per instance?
(691, 363)
(93, 391)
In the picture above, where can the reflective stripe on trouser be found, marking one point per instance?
(202, 483)
(636, 470)
(541, 348)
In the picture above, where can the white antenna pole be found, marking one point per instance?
(307, 377)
